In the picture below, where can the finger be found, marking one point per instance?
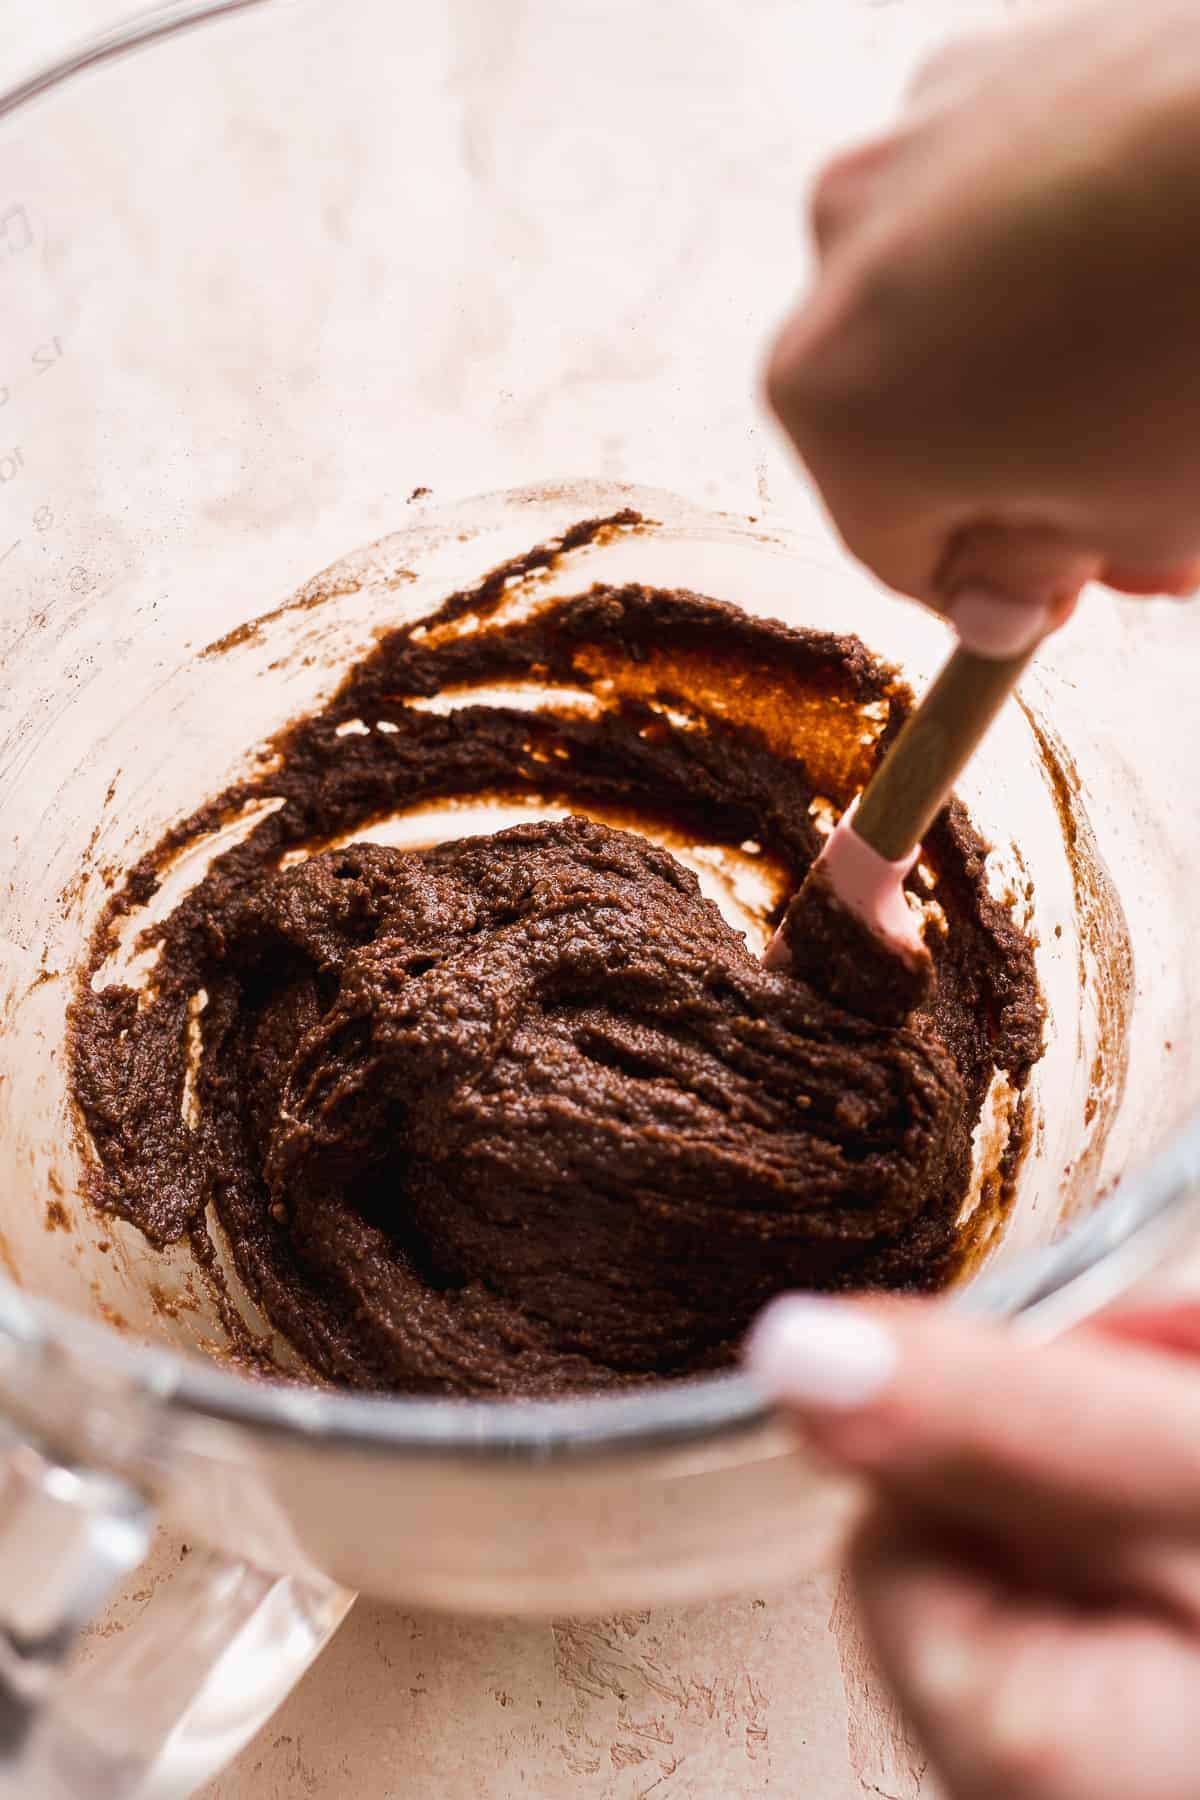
(823, 383)
(1172, 1326)
(848, 187)
(963, 1419)
(836, 390)
(1181, 580)
(1020, 564)
(1006, 589)
(1014, 1696)
(855, 188)
(851, 185)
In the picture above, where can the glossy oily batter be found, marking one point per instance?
(523, 1113)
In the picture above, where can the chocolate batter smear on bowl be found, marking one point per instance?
(523, 1113)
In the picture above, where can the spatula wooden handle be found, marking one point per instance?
(915, 778)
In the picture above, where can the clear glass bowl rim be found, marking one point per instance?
(1126, 1237)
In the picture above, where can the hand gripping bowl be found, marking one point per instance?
(291, 295)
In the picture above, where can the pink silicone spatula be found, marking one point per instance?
(849, 929)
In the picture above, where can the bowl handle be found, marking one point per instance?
(157, 1709)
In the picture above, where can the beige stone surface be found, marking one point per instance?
(743, 1698)
(740, 1699)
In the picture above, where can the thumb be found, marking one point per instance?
(967, 1422)
(1005, 587)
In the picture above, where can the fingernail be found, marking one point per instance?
(821, 1353)
(994, 624)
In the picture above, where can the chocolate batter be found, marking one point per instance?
(523, 1113)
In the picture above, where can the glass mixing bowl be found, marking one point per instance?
(395, 293)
